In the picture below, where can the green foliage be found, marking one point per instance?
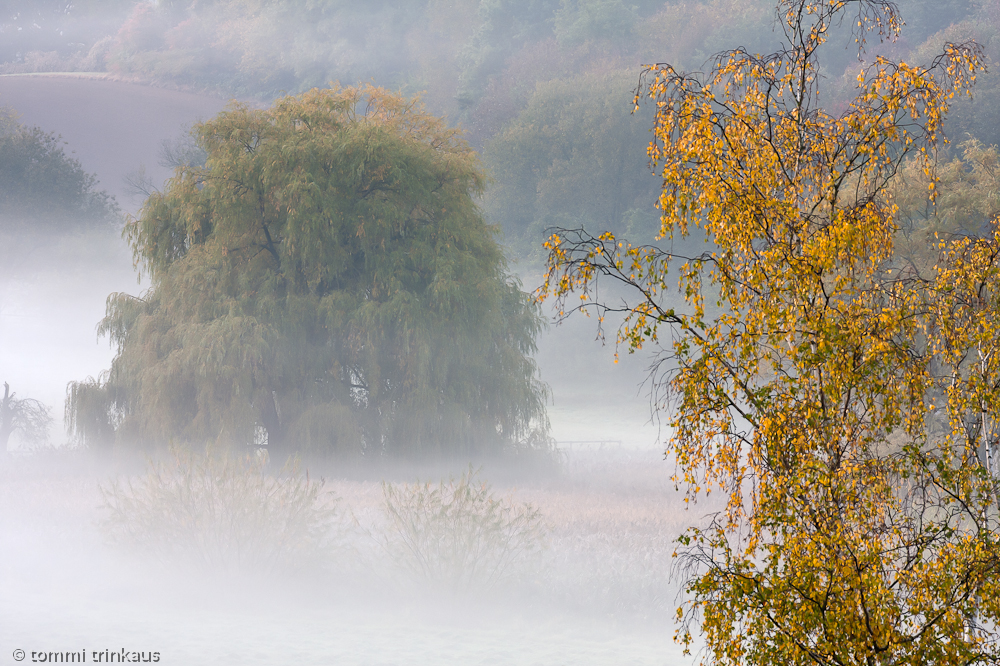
(967, 202)
(326, 276)
(90, 413)
(923, 19)
(41, 184)
(458, 533)
(977, 118)
(689, 33)
(223, 512)
(574, 157)
(580, 21)
(8, 121)
(262, 48)
(505, 26)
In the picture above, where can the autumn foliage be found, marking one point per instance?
(842, 397)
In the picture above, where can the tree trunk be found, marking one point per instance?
(270, 417)
(6, 418)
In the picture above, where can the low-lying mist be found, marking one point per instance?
(51, 297)
(560, 556)
(210, 561)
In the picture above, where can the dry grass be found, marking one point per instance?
(611, 518)
(458, 533)
(614, 518)
(222, 511)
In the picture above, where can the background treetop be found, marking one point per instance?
(42, 186)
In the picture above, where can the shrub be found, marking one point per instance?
(457, 533)
(40, 183)
(222, 511)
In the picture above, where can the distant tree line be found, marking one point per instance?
(525, 78)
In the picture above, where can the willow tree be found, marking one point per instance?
(324, 281)
(845, 402)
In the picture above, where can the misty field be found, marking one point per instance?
(600, 592)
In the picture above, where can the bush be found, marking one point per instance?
(458, 534)
(222, 511)
(39, 182)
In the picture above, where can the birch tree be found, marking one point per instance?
(843, 401)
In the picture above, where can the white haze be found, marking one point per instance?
(600, 595)
(603, 595)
